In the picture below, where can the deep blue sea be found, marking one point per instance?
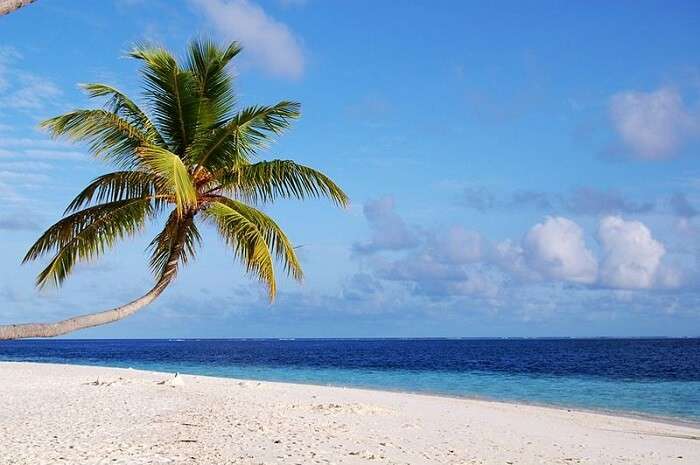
(659, 377)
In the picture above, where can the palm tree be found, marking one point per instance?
(8, 6)
(191, 154)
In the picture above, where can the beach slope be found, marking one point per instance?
(62, 414)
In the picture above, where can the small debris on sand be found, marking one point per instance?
(174, 381)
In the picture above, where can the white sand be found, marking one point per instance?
(50, 414)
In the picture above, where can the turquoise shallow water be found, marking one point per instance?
(630, 376)
(671, 399)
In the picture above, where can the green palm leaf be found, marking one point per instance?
(267, 180)
(207, 62)
(247, 131)
(179, 238)
(173, 173)
(109, 135)
(120, 185)
(86, 234)
(172, 95)
(254, 237)
(122, 105)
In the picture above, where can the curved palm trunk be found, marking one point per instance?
(27, 330)
(89, 320)
(8, 6)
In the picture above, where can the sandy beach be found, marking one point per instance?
(56, 414)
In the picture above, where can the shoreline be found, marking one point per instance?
(91, 414)
(669, 420)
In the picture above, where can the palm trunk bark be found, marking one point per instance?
(34, 330)
(26, 330)
(8, 6)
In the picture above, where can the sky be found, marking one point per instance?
(516, 169)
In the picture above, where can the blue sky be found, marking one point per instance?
(514, 170)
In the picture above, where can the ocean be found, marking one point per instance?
(657, 377)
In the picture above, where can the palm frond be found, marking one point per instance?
(266, 181)
(86, 234)
(275, 237)
(120, 104)
(207, 62)
(173, 174)
(109, 135)
(120, 185)
(172, 95)
(248, 131)
(179, 237)
(254, 237)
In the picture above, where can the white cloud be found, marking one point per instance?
(55, 154)
(463, 269)
(20, 89)
(20, 176)
(632, 257)
(420, 267)
(654, 125)
(32, 93)
(9, 194)
(31, 143)
(557, 250)
(669, 277)
(21, 149)
(389, 230)
(475, 283)
(7, 56)
(510, 257)
(24, 166)
(457, 245)
(18, 222)
(270, 43)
